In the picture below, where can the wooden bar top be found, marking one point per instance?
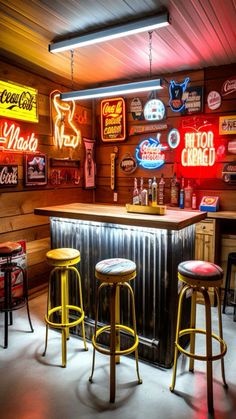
(172, 220)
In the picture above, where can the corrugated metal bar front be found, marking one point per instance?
(156, 253)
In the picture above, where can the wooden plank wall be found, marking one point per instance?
(17, 219)
(210, 79)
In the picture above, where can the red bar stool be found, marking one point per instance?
(197, 276)
(115, 274)
(10, 302)
(227, 301)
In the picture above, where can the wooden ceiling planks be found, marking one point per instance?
(201, 34)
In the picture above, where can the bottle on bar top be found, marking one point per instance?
(140, 189)
(181, 194)
(194, 201)
(149, 191)
(161, 191)
(154, 192)
(174, 191)
(188, 191)
(135, 193)
(143, 195)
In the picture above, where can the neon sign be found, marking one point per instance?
(113, 121)
(11, 139)
(149, 153)
(18, 102)
(176, 92)
(199, 149)
(63, 123)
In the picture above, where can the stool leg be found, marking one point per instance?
(64, 313)
(192, 326)
(117, 321)
(208, 351)
(7, 291)
(95, 328)
(25, 285)
(181, 296)
(227, 285)
(81, 304)
(48, 308)
(220, 334)
(113, 343)
(134, 328)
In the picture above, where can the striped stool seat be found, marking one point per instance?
(115, 274)
(196, 276)
(12, 301)
(63, 261)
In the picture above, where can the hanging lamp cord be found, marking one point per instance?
(150, 54)
(72, 68)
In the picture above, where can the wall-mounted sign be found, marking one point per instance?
(66, 134)
(229, 86)
(136, 108)
(229, 172)
(18, 101)
(227, 125)
(199, 149)
(89, 163)
(64, 176)
(128, 164)
(35, 169)
(232, 146)
(193, 100)
(213, 100)
(140, 129)
(154, 110)
(149, 153)
(173, 138)
(11, 139)
(113, 120)
(8, 175)
(176, 92)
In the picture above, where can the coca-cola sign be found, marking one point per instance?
(229, 86)
(113, 119)
(8, 175)
(18, 102)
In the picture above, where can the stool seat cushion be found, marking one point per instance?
(201, 270)
(62, 254)
(9, 249)
(116, 266)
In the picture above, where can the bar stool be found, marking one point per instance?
(197, 276)
(115, 274)
(230, 263)
(10, 302)
(63, 260)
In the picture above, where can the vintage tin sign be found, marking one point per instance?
(213, 100)
(8, 175)
(136, 108)
(128, 164)
(113, 120)
(227, 125)
(229, 86)
(154, 110)
(18, 102)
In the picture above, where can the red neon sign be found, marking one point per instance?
(199, 149)
(11, 139)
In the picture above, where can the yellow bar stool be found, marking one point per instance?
(63, 261)
(115, 274)
(197, 276)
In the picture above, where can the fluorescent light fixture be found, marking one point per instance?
(119, 89)
(118, 31)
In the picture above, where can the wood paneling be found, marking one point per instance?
(17, 218)
(203, 183)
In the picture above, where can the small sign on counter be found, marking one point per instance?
(209, 203)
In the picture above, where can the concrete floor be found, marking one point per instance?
(36, 387)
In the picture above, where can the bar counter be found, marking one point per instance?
(156, 243)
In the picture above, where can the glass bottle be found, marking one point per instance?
(181, 194)
(188, 191)
(135, 193)
(144, 196)
(149, 191)
(161, 190)
(154, 192)
(174, 191)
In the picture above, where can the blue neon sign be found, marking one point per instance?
(149, 153)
